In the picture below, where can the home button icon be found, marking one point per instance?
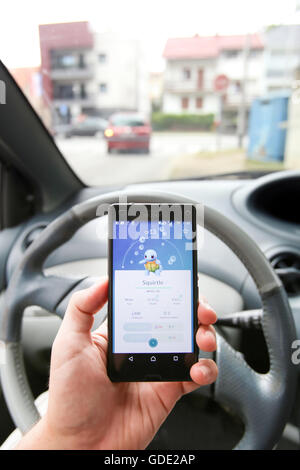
(153, 359)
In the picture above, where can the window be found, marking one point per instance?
(200, 79)
(67, 61)
(103, 87)
(102, 58)
(184, 102)
(81, 61)
(199, 102)
(275, 73)
(186, 73)
(278, 53)
(82, 91)
(63, 92)
(254, 53)
(230, 54)
(63, 60)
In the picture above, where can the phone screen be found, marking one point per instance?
(153, 297)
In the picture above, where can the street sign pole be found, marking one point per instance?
(220, 126)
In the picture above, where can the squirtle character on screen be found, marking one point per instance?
(151, 263)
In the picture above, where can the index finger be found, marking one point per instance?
(206, 314)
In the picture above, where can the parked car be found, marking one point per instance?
(61, 130)
(90, 126)
(129, 131)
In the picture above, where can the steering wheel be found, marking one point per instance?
(263, 401)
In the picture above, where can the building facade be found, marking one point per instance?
(192, 65)
(281, 58)
(84, 72)
(120, 76)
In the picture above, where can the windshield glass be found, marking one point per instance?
(127, 121)
(137, 91)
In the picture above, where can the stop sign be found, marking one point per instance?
(221, 82)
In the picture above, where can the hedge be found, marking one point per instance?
(161, 121)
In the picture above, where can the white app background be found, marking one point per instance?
(153, 313)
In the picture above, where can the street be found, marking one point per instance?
(90, 161)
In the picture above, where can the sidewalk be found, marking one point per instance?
(223, 161)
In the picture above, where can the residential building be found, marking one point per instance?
(84, 72)
(192, 65)
(281, 58)
(66, 67)
(120, 77)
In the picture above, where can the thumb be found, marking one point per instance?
(83, 305)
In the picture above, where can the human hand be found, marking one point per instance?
(86, 410)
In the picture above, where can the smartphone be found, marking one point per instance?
(153, 292)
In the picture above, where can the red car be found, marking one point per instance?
(128, 131)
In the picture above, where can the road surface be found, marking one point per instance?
(90, 161)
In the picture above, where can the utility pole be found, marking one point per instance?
(137, 75)
(242, 112)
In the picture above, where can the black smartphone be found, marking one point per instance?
(153, 292)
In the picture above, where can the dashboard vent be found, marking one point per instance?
(287, 267)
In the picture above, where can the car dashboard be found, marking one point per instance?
(265, 208)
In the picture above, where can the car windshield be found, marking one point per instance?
(127, 121)
(200, 88)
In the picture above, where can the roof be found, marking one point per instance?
(202, 47)
(65, 35)
(26, 79)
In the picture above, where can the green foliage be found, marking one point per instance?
(193, 122)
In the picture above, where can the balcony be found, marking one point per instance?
(87, 100)
(187, 86)
(74, 73)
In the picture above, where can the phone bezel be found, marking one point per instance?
(164, 369)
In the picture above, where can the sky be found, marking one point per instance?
(151, 21)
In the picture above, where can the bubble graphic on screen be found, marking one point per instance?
(131, 262)
(173, 258)
(136, 253)
(162, 243)
(170, 262)
(141, 247)
(142, 239)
